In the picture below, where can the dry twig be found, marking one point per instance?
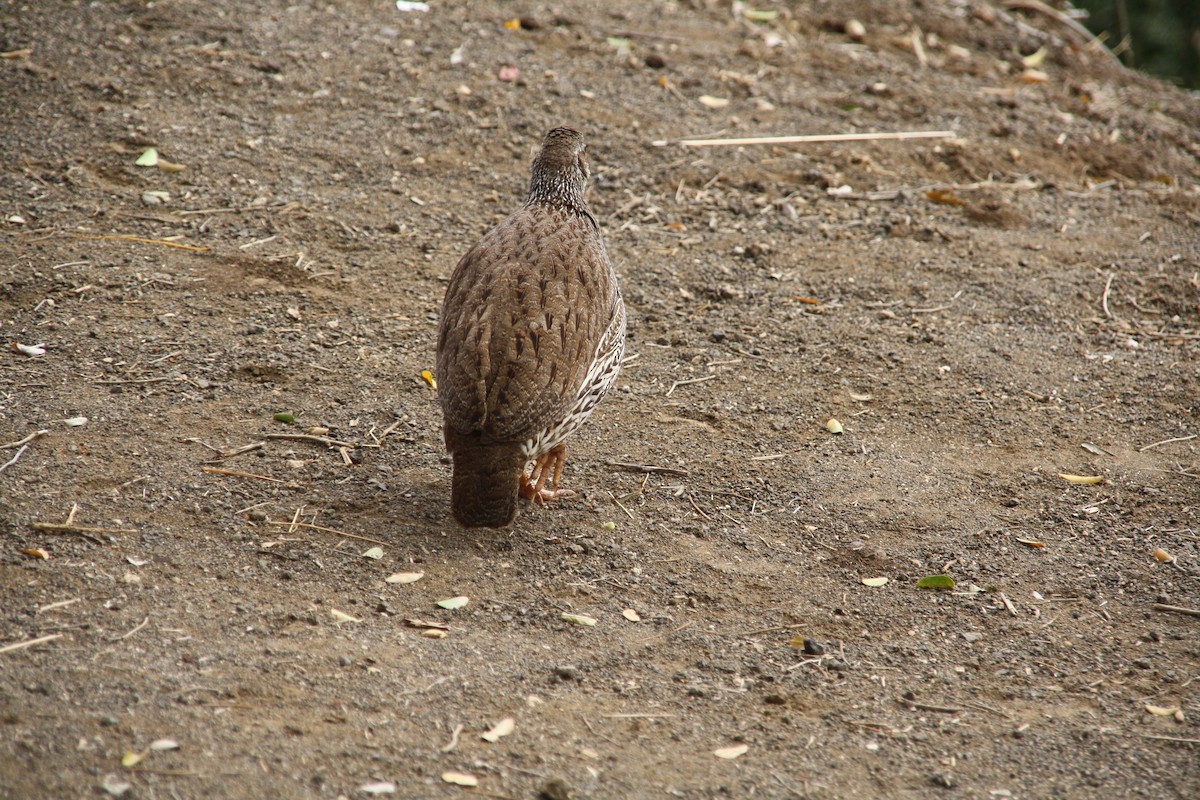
(1191, 612)
(234, 473)
(308, 437)
(29, 642)
(1167, 441)
(70, 527)
(811, 139)
(26, 440)
(293, 524)
(683, 473)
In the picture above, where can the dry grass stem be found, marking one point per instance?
(234, 473)
(29, 642)
(1167, 441)
(810, 139)
(308, 437)
(293, 525)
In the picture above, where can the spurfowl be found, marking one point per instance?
(531, 336)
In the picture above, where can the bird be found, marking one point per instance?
(530, 339)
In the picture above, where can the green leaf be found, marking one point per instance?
(936, 582)
(286, 416)
(148, 158)
(452, 603)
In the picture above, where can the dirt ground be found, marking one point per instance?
(982, 314)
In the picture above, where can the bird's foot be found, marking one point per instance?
(547, 469)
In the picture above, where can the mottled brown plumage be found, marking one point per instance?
(531, 336)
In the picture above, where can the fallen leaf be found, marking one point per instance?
(861, 398)
(373, 552)
(405, 577)
(452, 603)
(30, 349)
(114, 785)
(285, 416)
(1094, 449)
(75, 422)
(513, 24)
(417, 622)
(427, 376)
(1162, 711)
(1034, 76)
(381, 787)
(874, 582)
(35, 552)
(754, 15)
(578, 619)
(609, 526)
(406, 5)
(731, 752)
(631, 615)
(808, 301)
(936, 582)
(460, 779)
(132, 758)
(1031, 542)
(170, 166)
(713, 102)
(943, 197)
(434, 633)
(833, 426)
(1081, 479)
(148, 158)
(1162, 555)
(618, 42)
(164, 744)
(502, 728)
(1035, 59)
(342, 616)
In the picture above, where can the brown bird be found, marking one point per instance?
(531, 337)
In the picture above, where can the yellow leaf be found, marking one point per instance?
(460, 779)
(513, 24)
(427, 376)
(944, 197)
(1162, 555)
(579, 619)
(1082, 479)
(731, 753)
(1035, 59)
(502, 728)
(833, 426)
(873, 582)
(131, 759)
(1161, 711)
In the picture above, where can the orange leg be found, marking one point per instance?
(547, 469)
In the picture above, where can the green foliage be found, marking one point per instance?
(1161, 37)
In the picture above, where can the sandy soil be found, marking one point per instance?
(982, 314)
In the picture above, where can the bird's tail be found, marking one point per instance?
(486, 478)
